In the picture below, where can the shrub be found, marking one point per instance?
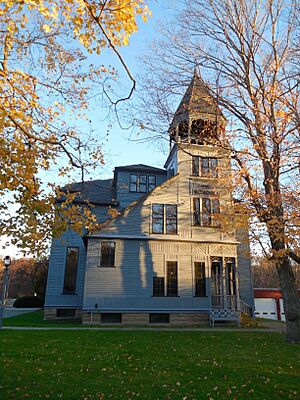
(28, 302)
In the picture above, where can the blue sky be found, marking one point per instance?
(119, 149)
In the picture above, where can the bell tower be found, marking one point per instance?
(198, 119)
(198, 124)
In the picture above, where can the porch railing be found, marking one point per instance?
(224, 301)
(246, 309)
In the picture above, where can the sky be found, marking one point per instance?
(118, 146)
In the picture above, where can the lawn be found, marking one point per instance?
(36, 319)
(148, 365)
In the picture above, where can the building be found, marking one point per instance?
(269, 303)
(162, 257)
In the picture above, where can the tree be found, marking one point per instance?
(27, 277)
(49, 69)
(21, 274)
(248, 50)
(40, 277)
(265, 274)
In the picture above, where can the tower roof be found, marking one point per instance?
(197, 101)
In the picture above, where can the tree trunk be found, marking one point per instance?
(291, 300)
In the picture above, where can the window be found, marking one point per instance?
(195, 166)
(133, 183)
(141, 183)
(200, 282)
(172, 281)
(159, 318)
(171, 288)
(71, 267)
(158, 286)
(205, 167)
(107, 254)
(151, 182)
(65, 313)
(205, 211)
(171, 219)
(157, 218)
(111, 318)
(164, 218)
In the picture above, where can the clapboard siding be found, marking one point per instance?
(57, 262)
(136, 304)
(136, 263)
(136, 220)
(55, 282)
(245, 280)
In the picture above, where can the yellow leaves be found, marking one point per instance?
(44, 78)
(46, 28)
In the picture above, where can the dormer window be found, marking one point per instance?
(205, 167)
(151, 182)
(141, 183)
(133, 184)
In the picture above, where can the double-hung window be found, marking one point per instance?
(158, 286)
(151, 182)
(107, 254)
(200, 281)
(133, 183)
(164, 218)
(172, 278)
(169, 286)
(205, 167)
(205, 211)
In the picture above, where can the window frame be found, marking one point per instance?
(108, 254)
(151, 184)
(206, 219)
(146, 184)
(162, 284)
(166, 219)
(74, 283)
(169, 218)
(199, 169)
(170, 280)
(157, 217)
(200, 289)
(133, 182)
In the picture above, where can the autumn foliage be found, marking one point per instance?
(47, 75)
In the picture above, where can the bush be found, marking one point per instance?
(28, 302)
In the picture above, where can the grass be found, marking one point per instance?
(36, 319)
(90, 365)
